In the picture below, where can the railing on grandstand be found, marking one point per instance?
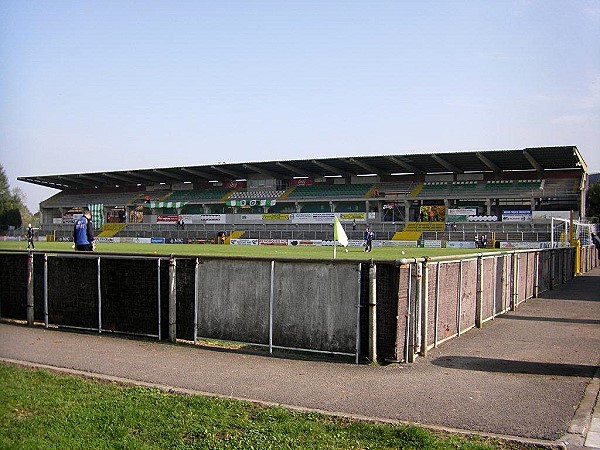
(383, 231)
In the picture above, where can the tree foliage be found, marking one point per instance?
(593, 201)
(12, 203)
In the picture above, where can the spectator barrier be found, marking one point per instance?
(378, 310)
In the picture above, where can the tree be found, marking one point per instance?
(11, 203)
(593, 201)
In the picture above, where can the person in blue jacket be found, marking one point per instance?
(368, 239)
(596, 242)
(83, 236)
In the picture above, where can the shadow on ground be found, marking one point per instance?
(512, 366)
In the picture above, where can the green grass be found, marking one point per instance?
(263, 251)
(40, 409)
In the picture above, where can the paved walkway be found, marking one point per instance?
(532, 373)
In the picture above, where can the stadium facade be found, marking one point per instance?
(442, 193)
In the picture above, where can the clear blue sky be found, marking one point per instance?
(113, 85)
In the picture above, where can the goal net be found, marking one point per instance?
(562, 229)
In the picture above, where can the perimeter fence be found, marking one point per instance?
(365, 309)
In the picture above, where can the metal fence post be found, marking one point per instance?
(460, 294)
(99, 297)
(409, 355)
(515, 281)
(373, 312)
(45, 290)
(271, 298)
(437, 304)
(417, 308)
(158, 299)
(536, 276)
(425, 308)
(552, 269)
(196, 285)
(358, 314)
(172, 299)
(30, 303)
(479, 293)
(495, 285)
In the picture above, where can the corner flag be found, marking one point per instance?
(338, 232)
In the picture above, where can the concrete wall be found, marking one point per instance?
(233, 300)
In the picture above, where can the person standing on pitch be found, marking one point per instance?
(83, 237)
(30, 235)
(368, 239)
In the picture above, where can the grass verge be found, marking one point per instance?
(41, 409)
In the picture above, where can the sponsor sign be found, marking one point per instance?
(548, 215)
(249, 203)
(203, 218)
(167, 218)
(157, 240)
(251, 217)
(524, 244)
(136, 240)
(482, 218)
(108, 239)
(353, 243)
(244, 241)
(305, 242)
(516, 215)
(275, 217)
(312, 217)
(348, 217)
(399, 243)
(429, 243)
(197, 241)
(460, 214)
(302, 182)
(234, 184)
(280, 242)
(460, 244)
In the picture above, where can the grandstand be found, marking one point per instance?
(507, 194)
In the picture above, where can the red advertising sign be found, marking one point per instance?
(167, 218)
(234, 184)
(302, 182)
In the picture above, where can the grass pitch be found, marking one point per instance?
(257, 251)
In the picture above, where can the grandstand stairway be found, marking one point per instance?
(416, 191)
(413, 230)
(406, 236)
(111, 229)
(234, 235)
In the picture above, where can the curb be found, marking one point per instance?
(183, 391)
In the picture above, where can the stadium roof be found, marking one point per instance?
(499, 161)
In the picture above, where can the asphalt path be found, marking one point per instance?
(523, 374)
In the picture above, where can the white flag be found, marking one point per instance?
(338, 232)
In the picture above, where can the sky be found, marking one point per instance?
(89, 86)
